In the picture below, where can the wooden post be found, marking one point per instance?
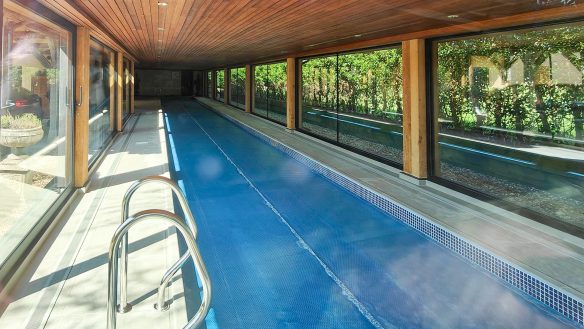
(81, 153)
(112, 88)
(248, 88)
(291, 93)
(213, 84)
(226, 86)
(132, 91)
(414, 105)
(120, 91)
(298, 92)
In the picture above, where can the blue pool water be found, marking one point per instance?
(287, 248)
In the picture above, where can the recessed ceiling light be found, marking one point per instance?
(452, 16)
(160, 29)
(357, 35)
(163, 4)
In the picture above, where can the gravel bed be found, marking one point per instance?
(562, 208)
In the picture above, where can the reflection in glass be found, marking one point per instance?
(509, 119)
(209, 84)
(319, 97)
(270, 91)
(101, 97)
(355, 99)
(35, 119)
(237, 87)
(220, 88)
(126, 89)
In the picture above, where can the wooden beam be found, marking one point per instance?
(132, 87)
(291, 93)
(226, 86)
(119, 91)
(248, 88)
(81, 153)
(414, 108)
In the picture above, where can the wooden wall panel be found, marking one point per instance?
(291, 93)
(81, 152)
(414, 105)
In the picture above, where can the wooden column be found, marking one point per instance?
(81, 152)
(248, 88)
(132, 86)
(226, 86)
(112, 89)
(119, 91)
(291, 94)
(213, 84)
(414, 105)
(299, 92)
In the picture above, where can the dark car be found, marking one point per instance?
(21, 100)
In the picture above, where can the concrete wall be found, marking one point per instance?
(158, 83)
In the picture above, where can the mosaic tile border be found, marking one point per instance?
(564, 303)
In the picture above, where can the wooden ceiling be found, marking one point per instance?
(202, 34)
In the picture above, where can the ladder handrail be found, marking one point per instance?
(114, 258)
(124, 305)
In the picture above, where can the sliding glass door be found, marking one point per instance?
(36, 125)
(102, 114)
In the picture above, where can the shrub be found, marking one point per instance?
(24, 121)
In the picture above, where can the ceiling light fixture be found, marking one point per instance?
(160, 29)
(163, 4)
(358, 35)
(452, 16)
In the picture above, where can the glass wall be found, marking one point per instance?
(209, 84)
(269, 87)
(220, 87)
(101, 97)
(355, 99)
(509, 119)
(126, 89)
(237, 87)
(35, 123)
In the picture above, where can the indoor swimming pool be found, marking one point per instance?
(286, 247)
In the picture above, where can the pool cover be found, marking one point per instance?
(287, 248)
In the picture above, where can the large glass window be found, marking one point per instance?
(355, 99)
(126, 89)
(35, 123)
(220, 85)
(237, 87)
(270, 91)
(509, 119)
(209, 84)
(101, 97)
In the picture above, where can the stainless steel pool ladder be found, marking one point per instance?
(114, 255)
(161, 305)
(189, 234)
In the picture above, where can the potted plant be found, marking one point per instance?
(20, 131)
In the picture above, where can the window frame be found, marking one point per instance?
(431, 76)
(298, 96)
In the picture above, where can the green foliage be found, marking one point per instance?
(369, 83)
(23, 121)
(538, 104)
(270, 87)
